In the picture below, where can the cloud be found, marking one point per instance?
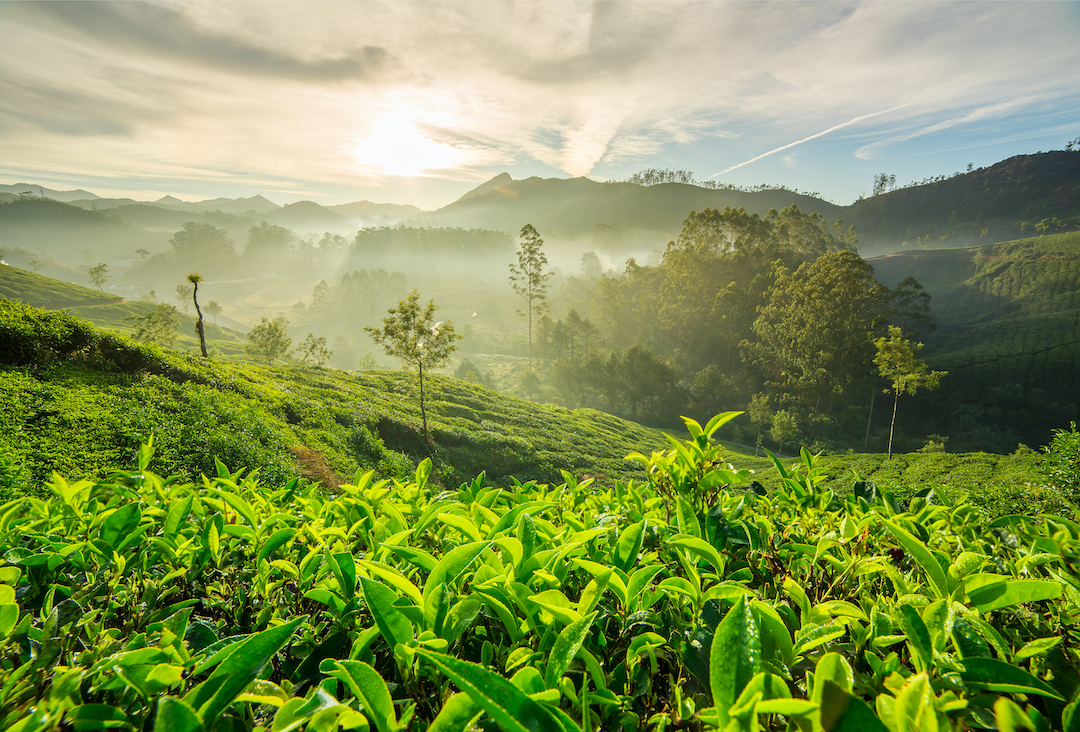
(288, 91)
(167, 31)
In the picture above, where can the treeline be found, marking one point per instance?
(779, 309)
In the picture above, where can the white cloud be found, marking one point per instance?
(291, 91)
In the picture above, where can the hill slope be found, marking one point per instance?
(77, 400)
(1008, 327)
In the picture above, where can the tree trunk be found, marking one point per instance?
(199, 323)
(869, 417)
(423, 411)
(896, 398)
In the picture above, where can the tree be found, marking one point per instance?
(591, 269)
(99, 274)
(143, 254)
(784, 428)
(269, 339)
(896, 361)
(883, 183)
(202, 242)
(528, 278)
(760, 415)
(159, 325)
(214, 309)
(411, 334)
(195, 278)
(909, 306)
(313, 350)
(183, 292)
(813, 343)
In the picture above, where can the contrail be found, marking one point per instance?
(807, 139)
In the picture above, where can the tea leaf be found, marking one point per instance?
(735, 657)
(566, 648)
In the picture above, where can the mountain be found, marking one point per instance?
(574, 208)
(1001, 202)
(256, 204)
(306, 216)
(70, 234)
(40, 192)
(369, 210)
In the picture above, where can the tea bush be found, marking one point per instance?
(695, 600)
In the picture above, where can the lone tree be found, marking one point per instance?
(195, 278)
(896, 361)
(214, 309)
(528, 278)
(269, 339)
(411, 334)
(99, 274)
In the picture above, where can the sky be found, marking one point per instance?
(418, 102)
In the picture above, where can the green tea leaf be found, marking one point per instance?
(1013, 592)
(178, 513)
(273, 543)
(922, 556)
(511, 708)
(176, 715)
(701, 548)
(917, 634)
(566, 648)
(232, 675)
(121, 522)
(735, 657)
(994, 675)
(844, 712)
(456, 714)
(368, 688)
(453, 563)
(393, 625)
(628, 546)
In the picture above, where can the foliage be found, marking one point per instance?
(897, 361)
(812, 342)
(158, 325)
(1063, 460)
(99, 274)
(412, 335)
(313, 351)
(693, 600)
(269, 339)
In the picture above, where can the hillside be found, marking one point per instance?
(573, 208)
(77, 400)
(110, 311)
(1008, 328)
(981, 206)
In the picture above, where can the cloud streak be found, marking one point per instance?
(790, 145)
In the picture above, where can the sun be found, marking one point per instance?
(396, 146)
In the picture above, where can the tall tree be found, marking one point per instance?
(529, 279)
(897, 361)
(813, 335)
(195, 278)
(410, 333)
(214, 309)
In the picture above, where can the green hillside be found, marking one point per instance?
(984, 205)
(1008, 328)
(77, 400)
(110, 311)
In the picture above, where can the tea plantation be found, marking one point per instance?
(672, 592)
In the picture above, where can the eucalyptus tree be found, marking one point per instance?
(529, 279)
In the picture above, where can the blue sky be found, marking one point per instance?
(417, 102)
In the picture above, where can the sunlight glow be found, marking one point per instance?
(396, 146)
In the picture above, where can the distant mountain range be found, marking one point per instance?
(998, 203)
